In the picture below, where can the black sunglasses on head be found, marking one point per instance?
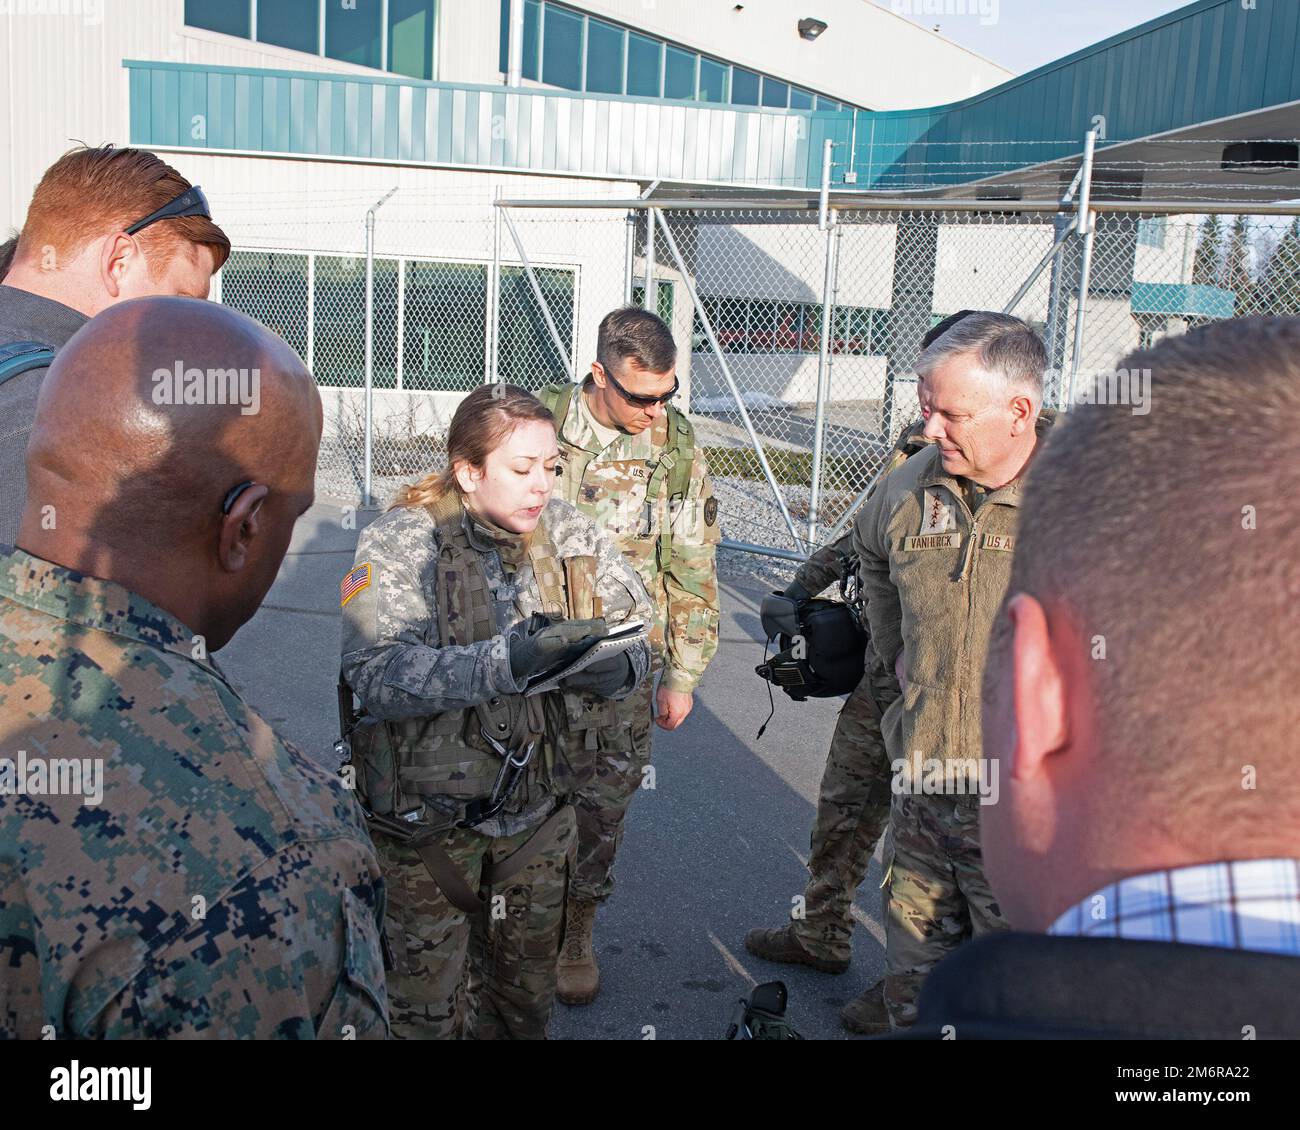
(191, 202)
(643, 401)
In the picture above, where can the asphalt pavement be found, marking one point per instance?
(716, 847)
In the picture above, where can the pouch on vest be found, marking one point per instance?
(448, 754)
(367, 761)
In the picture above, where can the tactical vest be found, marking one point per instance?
(674, 463)
(448, 754)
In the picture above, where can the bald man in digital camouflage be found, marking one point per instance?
(169, 868)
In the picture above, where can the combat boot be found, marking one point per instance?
(866, 1013)
(782, 944)
(577, 980)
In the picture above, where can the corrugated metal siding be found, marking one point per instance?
(1209, 60)
(396, 120)
(1212, 59)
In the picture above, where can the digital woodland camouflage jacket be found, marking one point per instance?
(609, 483)
(395, 660)
(221, 886)
(933, 576)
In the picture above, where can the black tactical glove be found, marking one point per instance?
(780, 611)
(538, 645)
(796, 592)
(604, 677)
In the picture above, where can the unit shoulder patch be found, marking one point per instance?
(711, 512)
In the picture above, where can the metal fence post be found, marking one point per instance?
(648, 298)
(629, 252)
(494, 301)
(366, 493)
(828, 224)
(1088, 226)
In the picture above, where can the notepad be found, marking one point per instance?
(625, 636)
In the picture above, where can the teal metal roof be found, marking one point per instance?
(1209, 60)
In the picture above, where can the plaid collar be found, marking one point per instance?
(1249, 904)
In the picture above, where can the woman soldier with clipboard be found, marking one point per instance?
(474, 587)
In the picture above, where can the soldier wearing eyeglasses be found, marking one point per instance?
(628, 458)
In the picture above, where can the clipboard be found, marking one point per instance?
(619, 640)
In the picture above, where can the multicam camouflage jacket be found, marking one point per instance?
(168, 866)
(609, 484)
(394, 659)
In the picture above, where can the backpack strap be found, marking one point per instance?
(675, 465)
(549, 574)
(465, 613)
(17, 357)
(558, 398)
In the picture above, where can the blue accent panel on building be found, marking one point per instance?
(1211, 59)
(1183, 300)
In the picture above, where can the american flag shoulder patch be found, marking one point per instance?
(353, 583)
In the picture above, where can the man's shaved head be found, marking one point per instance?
(149, 417)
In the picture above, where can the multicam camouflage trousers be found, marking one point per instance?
(602, 804)
(488, 976)
(935, 892)
(852, 812)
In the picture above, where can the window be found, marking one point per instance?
(824, 103)
(355, 34)
(679, 73)
(411, 37)
(1151, 233)
(271, 288)
(354, 29)
(730, 318)
(776, 94)
(444, 319)
(789, 327)
(745, 325)
(532, 40)
(644, 63)
(527, 355)
(290, 23)
(444, 344)
(532, 35)
(852, 332)
(567, 48)
(604, 58)
(233, 17)
(744, 87)
(562, 48)
(713, 80)
(338, 307)
(663, 299)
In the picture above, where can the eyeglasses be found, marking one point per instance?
(191, 202)
(643, 401)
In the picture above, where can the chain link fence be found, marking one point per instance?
(797, 330)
